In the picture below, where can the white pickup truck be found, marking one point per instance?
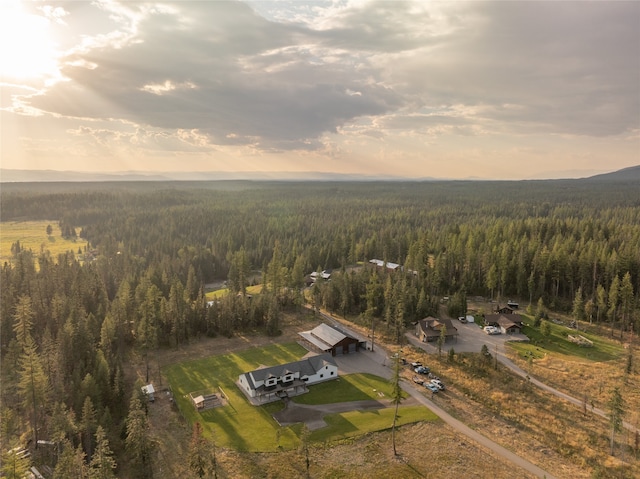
(491, 330)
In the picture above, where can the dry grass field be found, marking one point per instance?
(559, 437)
(32, 235)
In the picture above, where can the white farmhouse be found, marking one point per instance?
(272, 383)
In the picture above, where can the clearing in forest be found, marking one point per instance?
(33, 235)
(244, 427)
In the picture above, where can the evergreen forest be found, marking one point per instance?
(147, 251)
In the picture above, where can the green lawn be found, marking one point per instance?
(32, 235)
(244, 427)
(239, 425)
(354, 387)
(557, 343)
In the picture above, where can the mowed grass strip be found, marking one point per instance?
(353, 387)
(355, 423)
(244, 427)
(33, 235)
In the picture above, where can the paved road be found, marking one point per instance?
(376, 362)
(471, 338)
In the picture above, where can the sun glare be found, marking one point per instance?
(26, 50)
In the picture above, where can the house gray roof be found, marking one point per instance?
(321, 345)
(329, 335)
(307, 367)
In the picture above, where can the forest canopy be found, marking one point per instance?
(147, 250)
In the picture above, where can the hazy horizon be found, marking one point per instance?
(481, 90)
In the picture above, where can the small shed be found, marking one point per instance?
(203, 402)
(470, 318)
(149, 391)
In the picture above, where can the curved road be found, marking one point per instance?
(496, 344)
(374, 362)
(519, 371)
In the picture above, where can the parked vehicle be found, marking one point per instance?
(491, 330)
(416, 364)
(432, 387)
(462, 319)
(439, 384)
(418, 380)
(422, 370)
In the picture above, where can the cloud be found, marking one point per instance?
(568, 67)
(292, 76)
(217, 67)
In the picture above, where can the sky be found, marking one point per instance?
(397, 89)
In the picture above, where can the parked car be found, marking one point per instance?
(491, 330)
(416, 364)
(432, 387)
(462, 319)
(418, 380)
(422, 370)
(439, 384)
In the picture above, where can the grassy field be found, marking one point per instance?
(32, 235)
(218, 293)
(355, 387)
(557, 343)
(356, 423)
(243, 427)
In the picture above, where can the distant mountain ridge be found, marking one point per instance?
(629, 174)
(25, 176)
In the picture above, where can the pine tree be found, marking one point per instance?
(15, 465)
(626, 301)
(88, 425)
(137, 442)
(396, 398)
(33, 386)
(492, 279)
(616, 414)
(199, 458)
(601, 301)
(578, 306)
(614, 295)
(441, 339)
(71, 464)
(540, 312)
(23, 320)
(147, 330)
(62, 425)
(102, 464)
